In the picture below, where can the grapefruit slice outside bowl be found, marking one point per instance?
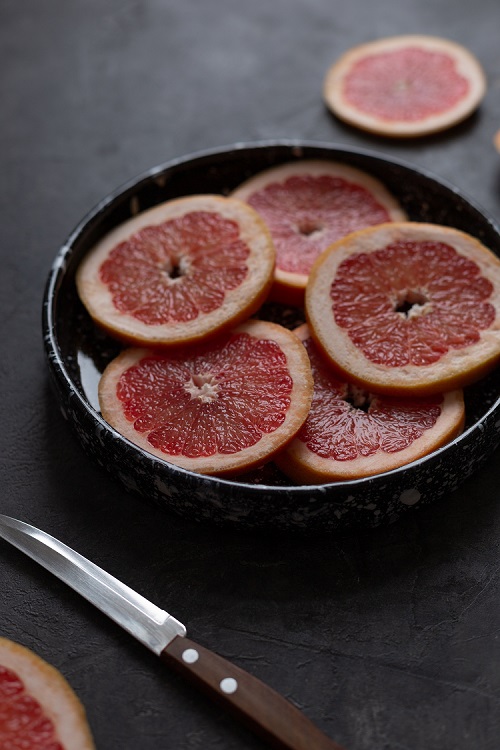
(350, 433)
(38, 708)
(309, 204)
(178, 272)
(405, 86)
(217, 408)
(407, 308)
(77, 352)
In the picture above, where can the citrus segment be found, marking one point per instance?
(179, 272)
(309, 204)
(350, 433)
(407, 307)
(405, 85)
(38, 709)
(216, 408)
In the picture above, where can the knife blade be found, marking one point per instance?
(262, 709)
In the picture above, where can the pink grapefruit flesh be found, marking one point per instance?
(217, 408)
(405, 85)
(179, 272)
(407, 307)
(309, 204)
(38, 708)
(350, 433)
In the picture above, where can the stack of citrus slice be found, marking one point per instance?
(209, 396)
(401, 317)
(398, 308)
(38, 709)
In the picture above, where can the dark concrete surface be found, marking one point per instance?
(386, 638)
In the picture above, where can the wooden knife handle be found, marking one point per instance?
(262, 709)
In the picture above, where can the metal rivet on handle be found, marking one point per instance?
(228, 685)
(190, 655)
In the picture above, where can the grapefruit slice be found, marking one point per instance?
(309, 204)
(407, 307)
(217, 408)
(405, 86)
(350, 433)
(38, 708)
(179, 272)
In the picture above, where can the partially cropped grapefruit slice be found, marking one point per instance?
(405, 86)
(216, 408)
(350, 433)
(179, 272)
(38, 708)
(407, 307)
(309, 204)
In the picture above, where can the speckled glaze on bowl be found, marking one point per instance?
(77, 352)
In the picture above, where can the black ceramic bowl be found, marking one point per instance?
(77, 353)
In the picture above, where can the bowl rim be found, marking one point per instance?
(60, 263)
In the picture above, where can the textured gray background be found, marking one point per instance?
(386, 639)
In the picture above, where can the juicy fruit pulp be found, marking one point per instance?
(346, 422)
(38, 708)
(306, 213)
(350, 433)
(418, 301)
(214, 401)
(217, 408)
(407, 307)
(179, 272)
(22, 717)
(406, 84)
(309, 204)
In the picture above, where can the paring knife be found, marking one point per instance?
(262, 709)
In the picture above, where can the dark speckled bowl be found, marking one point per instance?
(77, 352)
